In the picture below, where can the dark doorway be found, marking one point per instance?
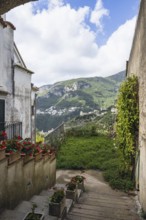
(2, 115)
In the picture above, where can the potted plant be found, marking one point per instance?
(13, 148)
(34, 215)
(3, 135)
(27, 150)
(52, 153)
(57, 203)
(37, 152)
(71, 191)
(2, 149)
(45, 148)
(79, 180)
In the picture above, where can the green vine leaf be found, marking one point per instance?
(127, 122)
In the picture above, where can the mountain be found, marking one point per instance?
(118, 78)
(65, 100)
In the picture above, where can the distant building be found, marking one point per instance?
(17, 95)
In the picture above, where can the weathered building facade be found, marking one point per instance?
(137, 66)
(17, 97)
(28, 173)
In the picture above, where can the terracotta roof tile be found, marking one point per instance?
(6, 23)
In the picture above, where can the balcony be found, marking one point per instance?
(12, 129)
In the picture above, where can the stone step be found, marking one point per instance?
(98, 216)
(99, 208)
(48, 193)
(12, 215)
(42, 203)
(119, 200)
(103, 203)
(48, 217)
(24, 207)
(69, 204)
(106, 213)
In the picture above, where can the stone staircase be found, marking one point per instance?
(42, 202)
(98, 202)
(102, 207)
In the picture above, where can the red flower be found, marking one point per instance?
(19, 138)
(4, 134)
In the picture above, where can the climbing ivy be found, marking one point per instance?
(128, 121)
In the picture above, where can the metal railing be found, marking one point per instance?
(12, 129)
(56, 136)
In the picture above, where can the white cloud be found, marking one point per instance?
(57, 44)
(113, 55)
(98, 13)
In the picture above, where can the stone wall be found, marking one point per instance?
(137, 66)
(20, 181)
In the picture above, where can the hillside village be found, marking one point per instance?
(35, 171)
(66, 100)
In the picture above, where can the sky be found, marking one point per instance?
(65, 39)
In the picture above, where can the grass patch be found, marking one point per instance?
(94, 152)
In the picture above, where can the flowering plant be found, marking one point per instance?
(27, 147)
(45, 148)
(37, 149)
(71, 186)
(2, 145)
(78, 179)
(58, 196)
(3, 135)
(12, 146)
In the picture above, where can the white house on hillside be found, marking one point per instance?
(17, 95)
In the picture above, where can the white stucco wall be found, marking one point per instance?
(22, 100)
(15, 82)
(6, 72)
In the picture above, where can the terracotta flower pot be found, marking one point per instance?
(52, 156)
(2, 153)
(27, 158)
(38, 156)
(12, 157)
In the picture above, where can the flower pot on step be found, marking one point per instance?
(57, 209)
(81, 186)
(79, 180)
(71, 191)
(34, 216)
(71, 194)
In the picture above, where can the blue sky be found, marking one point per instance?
(74, 38)
(119, 12)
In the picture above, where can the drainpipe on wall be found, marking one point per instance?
(13, 86)
(127, 62)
